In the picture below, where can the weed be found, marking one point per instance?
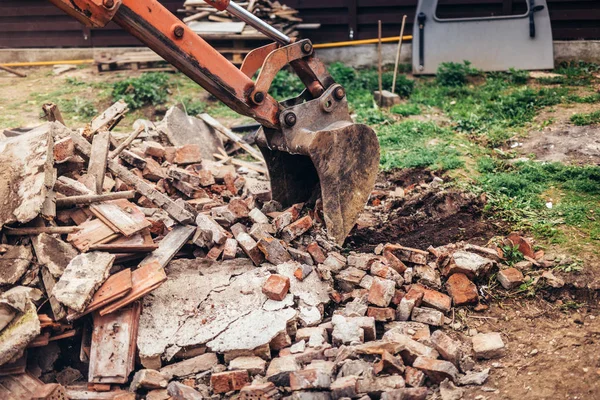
(528, 288)
(586, 119)
(571, 305)
(518, 76)
(576, 266)
(193, 106)
(148, 89)
(511, 254)
(286, 85)
(80, 107)
(406, 109)
(75, 81)
(452, 74)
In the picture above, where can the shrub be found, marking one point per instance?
(148, 89)
(454, 74)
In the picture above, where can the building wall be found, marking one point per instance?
(38, 24)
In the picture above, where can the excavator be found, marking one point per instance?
(310, 144)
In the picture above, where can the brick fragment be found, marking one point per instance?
(276, 287)
(350, 276)
(193, 192)
(309, 379)
(413, 377)
(361, 260)
(344, 387)
(230, 249)
(411, 300)
(279, 370)
(436, 370)
(258, 217)
(381, 314)
(428, 316)
(488, 345)
(389, 364)
(154, 149)
(209, 233)
(406, 394)
(133, 159)
(524, 246)
(381, 292)
(335, 262)
(448, 348)
(153, 171)
(274, 250)
(188, 154)
(510, 278)
(247, 244)
(287, 217)
(470, 264)
(228, 381)
(297, 228)
(462, 290)
(254, 365)
(316, 253)
(262, 391)
(303, 271)
(407, 254)
(64, 149)
(433, 298)
(301, 256)
(394, 262)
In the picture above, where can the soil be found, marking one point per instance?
(428, 215)
(563, 141)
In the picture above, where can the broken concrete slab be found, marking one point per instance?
(82, 277)
(21, 331)
(53, 253)
(312, 290)
(28, 174)
(201, 363)
(254, 365)
(182, 129)
(14, 263)
(471, 264)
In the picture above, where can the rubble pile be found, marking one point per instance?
(167, 270)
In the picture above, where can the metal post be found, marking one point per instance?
(260, 25)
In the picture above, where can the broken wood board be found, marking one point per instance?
(97, 165)
(170, 245)
(231, 136)
(176, 212)
(144, 280)
(19, 387)
(27, 171)
(108, 119)
(112, 357)
(141, 242)
(121, 215)
(115, 287)
(90, 233)
(58, 311)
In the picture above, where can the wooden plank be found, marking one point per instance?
(170, 246)
(51, 230)
(16, 367)
(176, 212)
(232, 136)
(121, 215)
(144, 280)
(115, 287)
(112, 356)
(98, 158)
(91, 232)
(94, 198)
(108, 119)
(48, 280)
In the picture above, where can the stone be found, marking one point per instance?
(436, 370)
(411, 300)
(258, 217)
(204, 362)
(53, 253)
(450, 392)
(310, 379)
(298, 347)
(416, 330)
(14, 263)
(428, 275)
(281, 341)
(254, 365)
(224, 382)
(470, 264)
(280, 368)
(81, 278)
(21, 331)
(179, 391)
(344, 387)
(413, 377)
(335, 262)
(408, 348)
(510, 278)
(406, 394)
(386, 98)
(474, 378)
(462, 290)
(488, 346)
(448, 348)
(276, 287)
(485, 252)
(274, 250)
(428, 316)
(389, 364)
(159, 394)
(361, 261)
(209, 232)
(296, 229)
(381, 292)
(346, 331)
(316, 253)
(301, 256)
(381, 314)
(148, 379)
(350, 277)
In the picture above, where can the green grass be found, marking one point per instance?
(586, 119)
(406, 110)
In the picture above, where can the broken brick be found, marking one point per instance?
(389, 364)
(462, 290)
(433, 298)
(288, 216)
(381, 292)
(436, 370)
(510, 278)
(224, 382)
(309, 379)
(188, 154)
(413, 377)
(230, 249)
(274, 250)
(316, 253)
(488, 345)
(276, 287)
(448, 348)
(428, 316)
(381, 314)
(247, 244)
(411, 300)
(296, 229)
(407, 254)
(64, 149)
(302, 271)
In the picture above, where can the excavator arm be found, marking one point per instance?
(310, 143)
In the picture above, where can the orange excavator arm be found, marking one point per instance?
(310, 143)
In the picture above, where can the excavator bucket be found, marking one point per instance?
(323, 153)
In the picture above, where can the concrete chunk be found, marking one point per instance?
(14, 263)
(53, 253)
(436, 370)
(191, 366)
(254, 365)
(488, 345)
(21, 331)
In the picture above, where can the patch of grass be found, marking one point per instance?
(193, 106)
(406, 109)
(81, 108)
(148, 89)
(452, 74)
(518, 76)
(586, 118)
(286, 85)
(589, 99)
(576, 73)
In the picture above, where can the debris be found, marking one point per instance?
(225, 382)
(179, 391)
(21, 331)
(510, 278)
(450, 392)
(276, 287)
(202, 363)
(470, 264)
(462, 290)
(436, 370)
(14, 263)
(254, 365)
(488, 345)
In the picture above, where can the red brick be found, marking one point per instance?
(316, 253)
(436, 370)
(63, 150)
(381, 314)
(510, 278)
(296, 229)
(523, 244)
(462, 290)
(389, 364)
(413, 377)
(398, 296)
(407, 254)
(309, 379)
(224, 382)
(394, 262)
(287, 217)
(433, 298)
(381, 292)
(154, 149)
(276, 287)
(188, 154)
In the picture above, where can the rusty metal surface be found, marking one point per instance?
(324, 153)
(92, 13)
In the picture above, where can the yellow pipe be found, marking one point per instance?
(394, 39)
(45, 63)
